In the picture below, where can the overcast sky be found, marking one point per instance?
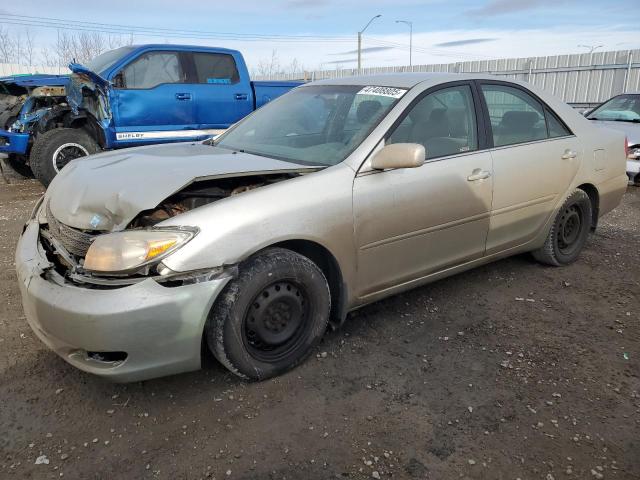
(444, 30)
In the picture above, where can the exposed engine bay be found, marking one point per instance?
(202, 193)
(26, 103)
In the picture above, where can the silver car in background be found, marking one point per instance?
(623, 113)
(337, 194)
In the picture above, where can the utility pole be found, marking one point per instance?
(360, 43)
(406, 22)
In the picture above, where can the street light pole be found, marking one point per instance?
(360, 43)
(591, 48)
(406, 22)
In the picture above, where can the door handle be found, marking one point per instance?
(241, 96)
(478, 174)
(569, 154)
(183, 96)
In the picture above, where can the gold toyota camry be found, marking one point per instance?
(331, 197)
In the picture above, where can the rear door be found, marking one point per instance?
(221, 93)
(153, 102)
(535, 157)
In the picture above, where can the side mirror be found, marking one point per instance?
(118, 80)
(399, 155)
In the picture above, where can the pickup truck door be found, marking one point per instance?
(412, 222)
(221, 89)
(151, 100)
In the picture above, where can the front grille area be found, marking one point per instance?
(75, 241)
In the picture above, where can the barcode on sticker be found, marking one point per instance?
(383, 91)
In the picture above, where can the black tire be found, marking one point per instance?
(19, 165)
(269, 318)
(52, 150)
(569, 231)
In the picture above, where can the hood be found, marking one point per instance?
(35, 80)
(630, 129)
(106, 191)
(82, 70)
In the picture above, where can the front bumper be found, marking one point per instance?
(11, 142)
(159, 328)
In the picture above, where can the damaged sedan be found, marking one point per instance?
(335, 195)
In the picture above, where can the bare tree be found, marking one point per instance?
(80, 47)
(9, 46)
(28, 47)
(269, 67)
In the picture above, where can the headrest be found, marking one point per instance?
(367, 109)
(519, 121)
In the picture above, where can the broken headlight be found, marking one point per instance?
(123, 252)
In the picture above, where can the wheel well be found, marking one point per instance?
(594, 196)
(89, 125)
(325, 260)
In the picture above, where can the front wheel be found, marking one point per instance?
(54, 149)
(19, 165)
(569, 231)
(268, 319)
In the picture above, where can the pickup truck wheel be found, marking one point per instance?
(19, 165)
(568, 233)
(268, 319)
(54, 149)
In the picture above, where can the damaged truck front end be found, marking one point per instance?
(24, 100)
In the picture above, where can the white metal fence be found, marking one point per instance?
(7, 69)
(586, 78)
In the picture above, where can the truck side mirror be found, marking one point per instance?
(118, 80)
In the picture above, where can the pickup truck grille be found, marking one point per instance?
(73, 240)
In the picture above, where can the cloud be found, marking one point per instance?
(338, 62)
(364, 50)
(470, 41)
(504, 7)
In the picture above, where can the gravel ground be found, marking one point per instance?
(513, 370)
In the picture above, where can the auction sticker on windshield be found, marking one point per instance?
(383, 91)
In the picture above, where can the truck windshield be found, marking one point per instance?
(623, 108)
(105, 60)
(317, 125)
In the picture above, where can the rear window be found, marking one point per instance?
(215, 68)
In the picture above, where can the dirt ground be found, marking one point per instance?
(511, 371)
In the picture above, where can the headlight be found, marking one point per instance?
(124, 251)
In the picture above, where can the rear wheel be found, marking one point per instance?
(54, 149)
(269, 318)
(569, 231)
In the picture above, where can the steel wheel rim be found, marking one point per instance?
(569, 228)
(276, 321)
(67, 152)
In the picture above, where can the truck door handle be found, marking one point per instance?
(241, 96)
(569, 154)
(478, 174)
(183, 96)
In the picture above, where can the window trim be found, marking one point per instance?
(479, 116)
(181, 61)
(545, 108)
(192, 71)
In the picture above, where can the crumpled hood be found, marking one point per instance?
(630, 129)
(106, 191)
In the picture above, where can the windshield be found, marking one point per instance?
(317, 125)
(105, 60)
(623, 108)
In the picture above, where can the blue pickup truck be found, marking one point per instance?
(130, 96)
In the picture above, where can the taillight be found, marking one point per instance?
(626, 146)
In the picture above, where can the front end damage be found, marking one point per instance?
(23, 102)
(146, 321)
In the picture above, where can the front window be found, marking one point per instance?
(623, 108)
(317, 125)
(107, 59)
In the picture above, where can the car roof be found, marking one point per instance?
(405, 80)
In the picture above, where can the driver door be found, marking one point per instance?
(413, 222)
